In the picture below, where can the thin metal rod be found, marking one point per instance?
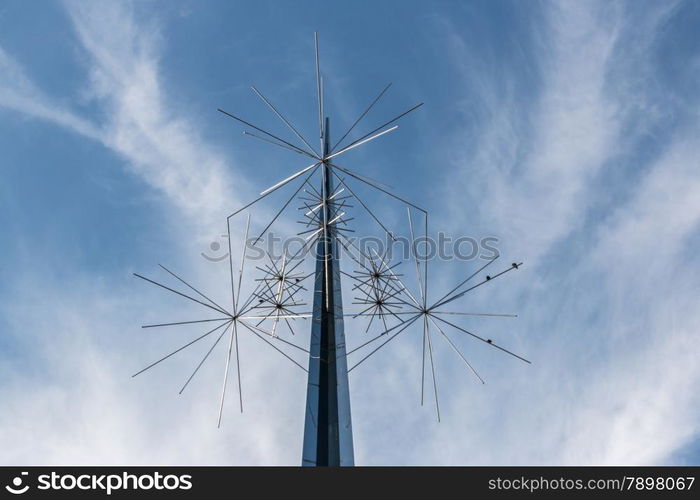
(488, 278)
(425, 266)
(432, 369)
(289, 179)
(230, 266)
(486, 341)
(384, 125)
(351, 174)
(353, 257)
(376, 99)
(267, 192)
(216, 342)
(357, 144)
(265, 132)
(281, 117)
(240, 269)
(403, 328)
(422, 371)
(318, 89)
(459, 353)
(364, 311)
(262, 233)
(277, 338)
(246, 307)
(366, 343)
(270, 141)
(185, 322)
(181, 294)
(414, 251)
(181, 348)
(238, 366)
(373, 180)
(242, 310)
(278, 295)
(491, 261)
(223, 390)
(403, 313)
(274, 346)
(365, 206)
(282, 316)
(289, 325)
(373, 314)
(416, 304)
(223, 310)
(323, 95)
(282, 278)
(384, 320)
(488, 315)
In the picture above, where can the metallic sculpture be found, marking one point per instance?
(283, 289)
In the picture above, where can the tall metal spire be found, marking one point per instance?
(328, 425)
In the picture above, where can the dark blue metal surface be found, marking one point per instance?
(328, 425)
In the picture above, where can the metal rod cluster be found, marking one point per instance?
(386, 303)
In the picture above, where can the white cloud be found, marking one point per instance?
(137, 121)
(642, 406)
(611, 330)
(537, 173)
(164, 148)
(79, 405)
(19, 93)
(83, 407)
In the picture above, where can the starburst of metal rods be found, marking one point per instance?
(381, 294)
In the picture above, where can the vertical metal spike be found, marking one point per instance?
(223, 389)
(432, 368)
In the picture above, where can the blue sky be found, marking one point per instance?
(568, 130)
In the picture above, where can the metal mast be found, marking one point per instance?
(328, 426)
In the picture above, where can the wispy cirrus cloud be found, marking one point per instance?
(19, 93)
(82, 375)
(536, 171)
(607, 319)
(640, 405)
(136, 119)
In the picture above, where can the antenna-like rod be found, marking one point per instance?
(376, 99)
(319, 90)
